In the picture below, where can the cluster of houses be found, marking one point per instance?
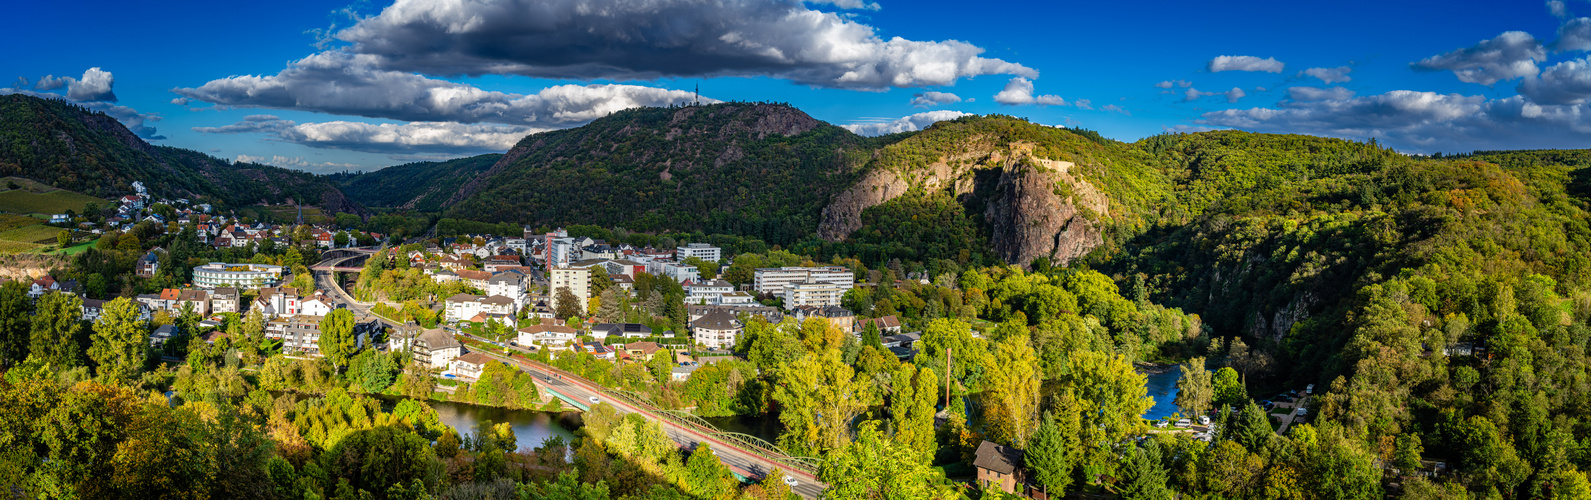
(716, 307)
(218, 230)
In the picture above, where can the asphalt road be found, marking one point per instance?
(743, 463)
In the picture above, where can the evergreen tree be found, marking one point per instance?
(1144, 476)
(871, 336)
(1050, 453)
(1251, 427)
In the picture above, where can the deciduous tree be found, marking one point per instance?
(1011, 392)
(16, 314)
(337, 341)
(1195, 390)
(57, 325)
(119, 340)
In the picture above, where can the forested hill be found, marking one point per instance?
(763, 170)
(70, 147)
(421, 186)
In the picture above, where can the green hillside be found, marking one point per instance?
(761, 170)
(33, 197)
(69, 147)
(421, 186)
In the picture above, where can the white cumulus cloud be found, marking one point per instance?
(1575, 34)
(412, 137)
(1511, 55)
(294, 162)
(95, 86)
(345, 84)
(1174, 83)
(622, 40)
(928, 99)
(1568, 82)
(1318, 94)
(1245, 63)
(1421, 122)
(1329, 75)
(1019, 91)
(1233, 95)
(908, 123)
(847, 4)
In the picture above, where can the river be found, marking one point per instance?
(1163, 389)
(530, 427)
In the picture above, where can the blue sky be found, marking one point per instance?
(327, 86)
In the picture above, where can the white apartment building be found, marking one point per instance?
(577, 280)
(702, 251)
(673, 270)
(774, 280)
(221, 274)
(463, 307)
(274, 302)
(512, 285)
(707, 292)
(813, 293)
(716, 330)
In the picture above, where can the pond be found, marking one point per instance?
(530, 427)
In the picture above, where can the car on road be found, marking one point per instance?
(791, 481)
(593, 400)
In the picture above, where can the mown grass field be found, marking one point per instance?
(74, 250)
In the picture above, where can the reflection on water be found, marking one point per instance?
(1163, 388)
(530, 427)
(766, 427)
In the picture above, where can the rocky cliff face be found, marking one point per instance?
(1033, 207)
(1030, 217)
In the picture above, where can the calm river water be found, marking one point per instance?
(1163, 388)
(530, 427)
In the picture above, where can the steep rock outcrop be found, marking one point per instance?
(1029, 219)
(1034, 208)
